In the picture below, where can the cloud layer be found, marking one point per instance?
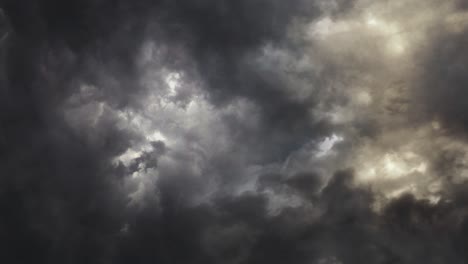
(250, 131)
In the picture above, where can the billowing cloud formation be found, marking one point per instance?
(250, 131)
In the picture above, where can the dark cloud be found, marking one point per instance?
(85, 178)
(444, 80)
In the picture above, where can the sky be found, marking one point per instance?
(234, 131)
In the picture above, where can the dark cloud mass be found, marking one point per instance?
(223, 131)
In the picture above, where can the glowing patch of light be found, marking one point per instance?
(173, 81)
(396, 166)
(127, 157)
(372, 22)
(422, 168)
(393, 166)
(396, 44)
(381, 26)
(434, 199)
(363, 98)
(411, 188)
(327, 145)
(326, 27)
(156, 136)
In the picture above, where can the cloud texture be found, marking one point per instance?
(248, 131)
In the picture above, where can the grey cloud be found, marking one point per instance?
(443, 80)
(103, 159)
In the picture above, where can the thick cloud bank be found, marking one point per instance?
(233, 131)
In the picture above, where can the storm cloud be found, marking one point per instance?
(249, 131)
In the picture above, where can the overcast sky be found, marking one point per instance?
(234, 131)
